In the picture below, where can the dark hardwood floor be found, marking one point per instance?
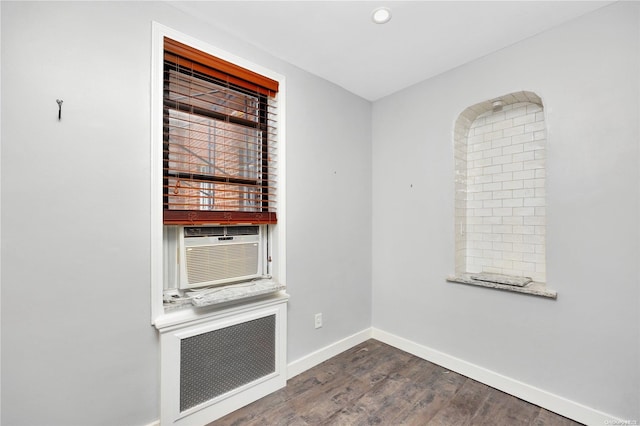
(376, 384)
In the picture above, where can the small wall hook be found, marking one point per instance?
(59, 101)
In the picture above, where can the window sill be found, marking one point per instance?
(193, 314)
(533, 288)
(228, 293)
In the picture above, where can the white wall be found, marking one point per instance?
(328, 214)
(585, 345)
(78, 347)
(77, 344)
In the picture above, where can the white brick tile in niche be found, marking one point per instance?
(500, 187)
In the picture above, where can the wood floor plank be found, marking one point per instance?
(501, 409)
(547, 418)
(463, 405)
(379, 364)
(383, 403)
(329, 399)
(429, 396)
(256, 410)
(376, 384)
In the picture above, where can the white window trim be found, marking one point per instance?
(158, 316)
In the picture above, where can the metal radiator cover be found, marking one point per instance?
(216, 362)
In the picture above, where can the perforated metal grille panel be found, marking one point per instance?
(219, 361)
(211, 263)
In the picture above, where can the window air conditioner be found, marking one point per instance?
(212, 255)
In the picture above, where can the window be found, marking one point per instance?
(216, 234)
(219, 134)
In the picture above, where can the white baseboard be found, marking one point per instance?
(544, 399)
(306, 362)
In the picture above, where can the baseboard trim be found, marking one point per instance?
(308, 361)
(547, 400)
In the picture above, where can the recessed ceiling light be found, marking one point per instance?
(381, 15)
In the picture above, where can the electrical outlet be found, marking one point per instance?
(318, 319)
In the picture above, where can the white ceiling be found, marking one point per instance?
(337, 40)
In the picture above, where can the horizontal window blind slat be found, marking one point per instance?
(250, 187)
(174, 217)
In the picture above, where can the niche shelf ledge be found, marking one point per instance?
(533, 288)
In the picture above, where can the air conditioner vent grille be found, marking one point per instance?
(219, 231)
(214, 363)
(241, 230)
(221, 262)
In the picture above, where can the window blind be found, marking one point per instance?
(220, 131)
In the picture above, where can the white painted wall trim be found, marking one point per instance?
(158, 32)
(0, 226)
(308, 361)
(547, 400)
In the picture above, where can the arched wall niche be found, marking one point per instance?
(500, 177)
